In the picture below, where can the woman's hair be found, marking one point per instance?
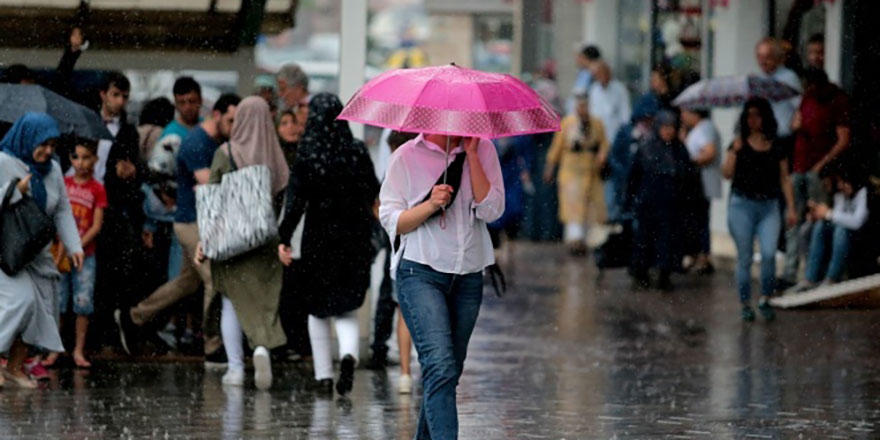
(286, 112)
(768, 120)
(159, 111)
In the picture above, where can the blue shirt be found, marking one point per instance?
(196, 153)
(176, 128)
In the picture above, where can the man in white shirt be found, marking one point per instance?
(609, 99)
(770, 57)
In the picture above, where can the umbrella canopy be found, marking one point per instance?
(451, 100)
(74, 118)
(730, 91)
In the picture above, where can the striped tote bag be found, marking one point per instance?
(236, 215)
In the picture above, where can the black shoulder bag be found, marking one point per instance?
(24, 231)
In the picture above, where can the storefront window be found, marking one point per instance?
(678, 39)
(493, 42)
(634, 48)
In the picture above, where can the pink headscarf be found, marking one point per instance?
(253, 141)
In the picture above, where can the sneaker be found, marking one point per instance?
(262, 369)
(126, 329)
(802, 286)
(377, 362)
(748, 315)
(323, 386)
(234, 378)
(216, 360)
(766, 310)
(404, 384)
(35, 370)
(346, 375)
(168, 337)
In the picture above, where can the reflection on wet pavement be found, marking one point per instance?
(563, 355)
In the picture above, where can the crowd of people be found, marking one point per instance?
(653, 170)
(128, 258)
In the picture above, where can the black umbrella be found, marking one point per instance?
(18, 99)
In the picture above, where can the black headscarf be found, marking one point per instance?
(328, 146)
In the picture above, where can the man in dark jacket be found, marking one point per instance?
(120, 169)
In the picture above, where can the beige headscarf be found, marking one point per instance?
(253, 141)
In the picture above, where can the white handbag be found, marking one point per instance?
(236, 215)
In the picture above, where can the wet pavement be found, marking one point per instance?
(564, 355)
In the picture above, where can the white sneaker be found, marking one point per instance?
(404, 385)
(234, 378)
(262, 369)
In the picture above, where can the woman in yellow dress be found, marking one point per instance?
(579, 149)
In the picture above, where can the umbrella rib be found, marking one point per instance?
(418, 95)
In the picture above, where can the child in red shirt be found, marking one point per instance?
(88, 200)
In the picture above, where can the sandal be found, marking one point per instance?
(22, 382)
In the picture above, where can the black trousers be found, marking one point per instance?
(383, 321)
(293, 314)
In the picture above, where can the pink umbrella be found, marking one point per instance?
(451, 100)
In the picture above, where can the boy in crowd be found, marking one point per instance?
(87, 200)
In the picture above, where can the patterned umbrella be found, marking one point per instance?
(451, 100)
(730, 91)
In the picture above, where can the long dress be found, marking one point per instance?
(334, 184)
(252, 281)
(580, 186)
(29, 300)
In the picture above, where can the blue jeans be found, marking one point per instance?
(748, 218)
(80, 284)
(840, 239)
(806, 186)
(440, 311)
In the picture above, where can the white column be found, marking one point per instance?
(353, 53)
(352, 62)
(736, 29)
(567, 33)
(601, 27)
(834, 40)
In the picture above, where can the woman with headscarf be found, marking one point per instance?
(28, 299)
(662, 183)
(334, 184)
(579, 149)
(251, 283)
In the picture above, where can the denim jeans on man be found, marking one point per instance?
(840, 240)
(807, 186)
(748, 218)
(440, 311)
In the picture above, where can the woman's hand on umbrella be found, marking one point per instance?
(441, 195)
(285, 255)
(471, 144)
(23, 184)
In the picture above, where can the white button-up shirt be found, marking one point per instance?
(785, 110)
(611, 105)
(464, 245)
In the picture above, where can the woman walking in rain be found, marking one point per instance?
(443, 247)
(251, 283)
(758, 169)
(28, 299)
(580, 149)
(334, 185)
